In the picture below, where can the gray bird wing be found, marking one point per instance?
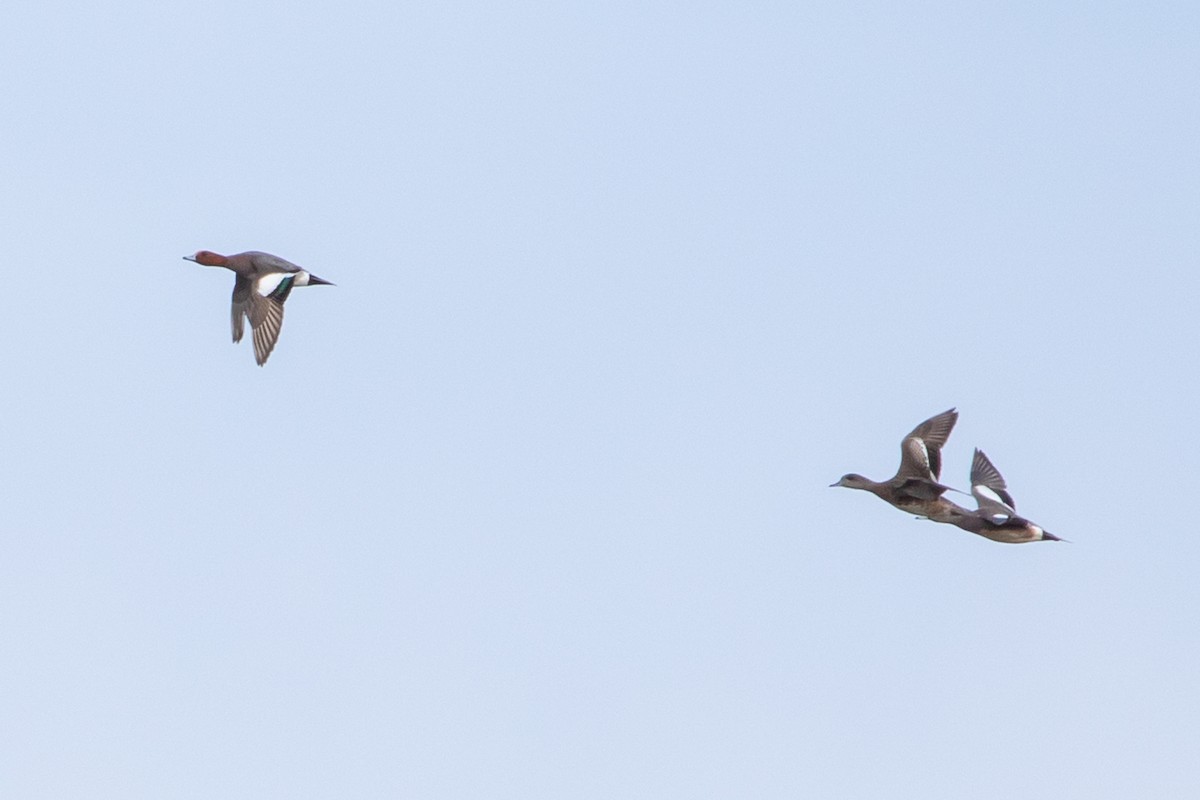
(241, 299)
(990, 490)
(266, 320)
(921, 450)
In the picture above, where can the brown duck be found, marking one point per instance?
(915, 487)
(996, 517)
(262, 285)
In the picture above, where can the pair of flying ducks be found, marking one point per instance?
(915, 488)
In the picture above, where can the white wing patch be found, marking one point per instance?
(269, 283)
(984, 491)
(923, 451)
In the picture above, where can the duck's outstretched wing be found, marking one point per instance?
(266, 316)
(991, 492)
(237, 313)
(921, 450)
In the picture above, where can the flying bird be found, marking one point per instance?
(262, 285)
(915, 487)
(996, 516)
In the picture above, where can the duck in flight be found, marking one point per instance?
(914, 487)
(262, 285)
(996, 516)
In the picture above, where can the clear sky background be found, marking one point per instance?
(534, 503)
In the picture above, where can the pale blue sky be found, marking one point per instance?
(533, 503)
